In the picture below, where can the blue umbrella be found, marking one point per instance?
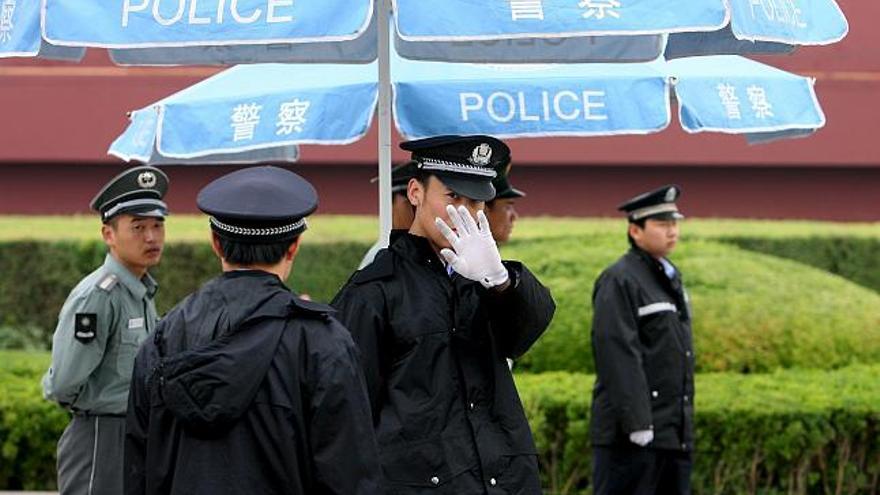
(156, 23)
(466, 20)
(362, 49)
(433, 98)
(766, 26)
(731, 94)
(20, 33)
(268, 108)
(537, 31)
(178, 32)
(727, 94)
(265, 109)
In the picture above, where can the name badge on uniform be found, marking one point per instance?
(85, 327)
(135, 323)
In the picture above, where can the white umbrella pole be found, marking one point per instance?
(384, 10)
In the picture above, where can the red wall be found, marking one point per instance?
(840, 193)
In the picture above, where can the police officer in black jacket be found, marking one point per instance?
(435, 316)
(245, 387)
(643, 400)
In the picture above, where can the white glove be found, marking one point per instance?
(474, 254)
(642, 437)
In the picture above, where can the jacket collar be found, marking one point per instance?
(418, 249)
(139, 288)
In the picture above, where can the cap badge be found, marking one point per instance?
(670, 195)
(481, 155)
(147, 180)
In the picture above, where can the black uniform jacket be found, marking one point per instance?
(258, 392)
(433, 346)
(644, 355)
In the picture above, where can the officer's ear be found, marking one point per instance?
(215, 245)
(635, 230)
(415, 192)
(108, 232)
(292, 250)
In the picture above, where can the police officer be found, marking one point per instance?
(435, 315)
(100, 327)
(245, 387)
(501, 210)
(643, 400)
(402, 212)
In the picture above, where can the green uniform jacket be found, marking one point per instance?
(100, 328)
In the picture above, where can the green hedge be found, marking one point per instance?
(36, 277)
(853, 258)
(791, 431)
(788, 432)
(753, 312)
(29, 426)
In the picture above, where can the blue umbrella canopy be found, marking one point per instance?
(252, 113)
(20, 33)
(259, 112)
(466, 20)
(766, 26)
(433, 98)
(732, 94)
(155, 32)
(156, 23)
(728, 94)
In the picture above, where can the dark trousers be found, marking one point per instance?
(630, 469)
(90, 456)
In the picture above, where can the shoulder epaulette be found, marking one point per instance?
(381, 267)
(108, 282)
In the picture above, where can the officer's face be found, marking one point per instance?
(502, 215)
(136, 242)
(430, 200)
(658, 238)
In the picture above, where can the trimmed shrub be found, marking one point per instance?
(793, 431)
(29, 426)
(853, 258)
(38, 276)
(752, 312)
(788, 432)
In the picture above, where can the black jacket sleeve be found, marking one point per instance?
(137, 427)
(618, 353)
(361, 310)
(521, 312)
(341, 438)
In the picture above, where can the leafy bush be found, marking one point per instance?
(853, 258)
(787, 432)
(793, 431)
(752, 312)
(36, 277)
(29, 426)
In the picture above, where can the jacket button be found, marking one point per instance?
(453, 329)
(471, 406)
(654, 394)
(684, 446)
(493, 482)
(687, 353)
(435, 480)
(686, 398)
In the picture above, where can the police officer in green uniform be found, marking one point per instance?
(100, 327)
